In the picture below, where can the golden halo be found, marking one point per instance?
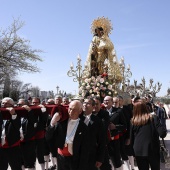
(103, 22)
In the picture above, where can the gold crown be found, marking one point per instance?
(103, 22)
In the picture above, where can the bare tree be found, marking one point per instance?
(35, 91)
(15, 52)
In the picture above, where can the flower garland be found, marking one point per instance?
(95, 86)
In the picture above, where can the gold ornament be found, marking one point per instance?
(103, 22)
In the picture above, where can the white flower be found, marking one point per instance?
(102, 80)
(109, 87)
(88, 87)
(98, 84)
(98, 78)
(81, 88)
(93, 78)
(86, 80)
(90, 91)
(106, 83)
(94, 90)
(97, 89)
(83, 84)
(109, 93)
(89, 80)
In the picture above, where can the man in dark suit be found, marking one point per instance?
(117, 125)
(71, 139)
(10, 138)
(104, 116)
(125, 136)
(97, 141)
(27, 131)
(40, 131)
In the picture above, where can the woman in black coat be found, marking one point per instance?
(145, 132)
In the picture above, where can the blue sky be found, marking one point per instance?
(141, 33)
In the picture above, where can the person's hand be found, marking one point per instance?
(26, 107)
(43, 108)
(112, 126)
(55, 119)
(98, 164)
(11, 110)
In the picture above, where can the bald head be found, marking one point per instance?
(75, 109)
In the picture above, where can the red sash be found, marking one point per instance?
(33, 138)
(64, 151)
(40, 134)
(51, 109)
(6, 145)
(116, 137)
(122, 133)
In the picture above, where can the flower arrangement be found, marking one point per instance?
(95, 87)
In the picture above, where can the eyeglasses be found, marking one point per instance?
(19, 104)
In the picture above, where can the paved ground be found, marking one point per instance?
(163, 166)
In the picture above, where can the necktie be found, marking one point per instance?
(87, 120)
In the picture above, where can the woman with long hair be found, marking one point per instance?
(145, 133)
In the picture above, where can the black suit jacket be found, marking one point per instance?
(80, 142)
(12, 128)
(1, 122)
(28, 125)
(127, 112)
(97, 142)
(118, 119)
(104, 116)
(41, 121)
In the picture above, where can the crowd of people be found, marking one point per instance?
(86, 134)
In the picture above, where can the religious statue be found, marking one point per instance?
(102, 74)
(101, 47)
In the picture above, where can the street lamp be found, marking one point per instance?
(57, 89)
(120, 76)
(78, 73)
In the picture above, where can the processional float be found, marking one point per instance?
(103, 74)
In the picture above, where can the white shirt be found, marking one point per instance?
(71, 130)
(110, 111)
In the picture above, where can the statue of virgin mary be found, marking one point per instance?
(101, 48)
